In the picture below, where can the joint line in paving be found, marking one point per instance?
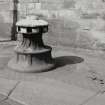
(90, 98)
(13, 89)
(6, 98)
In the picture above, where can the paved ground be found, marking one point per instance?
(79, 79)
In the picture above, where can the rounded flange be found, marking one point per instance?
(37, 62)
(22, 67)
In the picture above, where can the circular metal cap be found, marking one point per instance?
(32, 21)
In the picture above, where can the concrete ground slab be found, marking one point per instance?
(4, 103)
(75, 66)
(9, 102)
(50, 92)
(6, 86)
(2, 97)
(97, 100)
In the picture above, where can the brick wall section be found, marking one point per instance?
(73, 23)
(6, 20)
(76, 23)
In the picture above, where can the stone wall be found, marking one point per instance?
(6, 18)
(72, 23)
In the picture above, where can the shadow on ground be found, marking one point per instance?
(66, 60)
(59, 62)
(63, 61)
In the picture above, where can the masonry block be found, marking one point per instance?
(90, 15)
(52, 1)
(67, 38)
(27, 1)
(99, 39)
(6, 6)
(5, 30)
(52, 6)
(52, 37)
(6, 18)
(22, 6)
(68, 4)
(84, 39)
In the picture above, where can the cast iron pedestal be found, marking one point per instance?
(32, 55)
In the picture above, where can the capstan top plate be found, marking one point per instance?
(32, 21)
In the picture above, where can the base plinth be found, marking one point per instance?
(32, 62)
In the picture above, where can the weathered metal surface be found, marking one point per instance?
(31, 54)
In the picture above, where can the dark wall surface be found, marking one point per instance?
(6, 18)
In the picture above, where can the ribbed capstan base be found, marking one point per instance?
(39, 61)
